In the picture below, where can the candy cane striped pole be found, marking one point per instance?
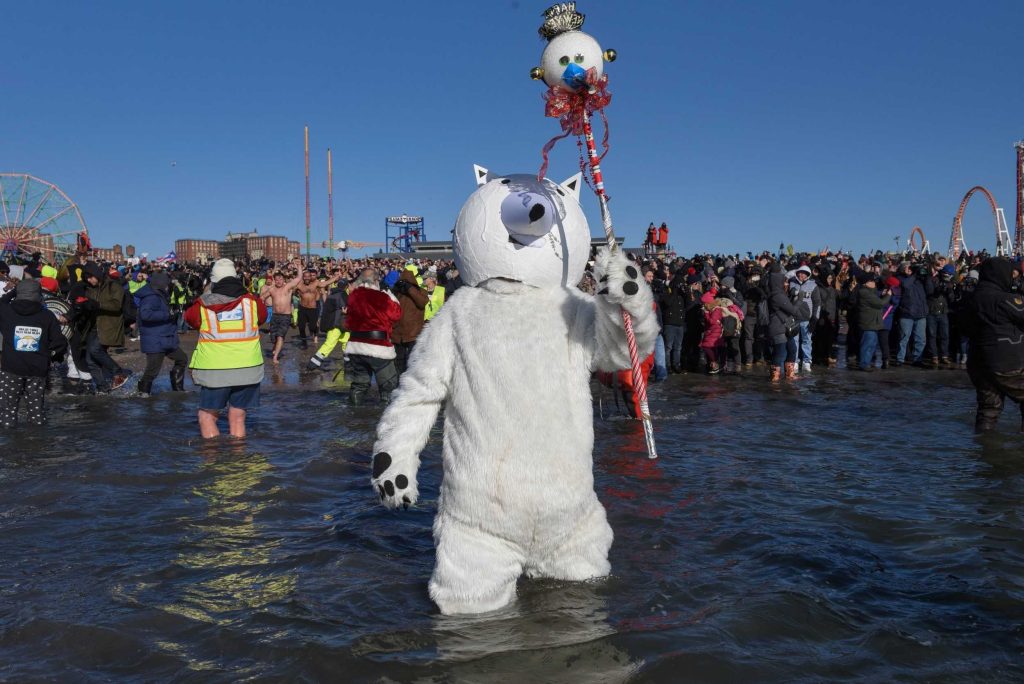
(639, 382)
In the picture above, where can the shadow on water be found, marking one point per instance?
(840, 527)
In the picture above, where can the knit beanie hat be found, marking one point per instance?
(223, 268)
(728, 282)
(29, 290)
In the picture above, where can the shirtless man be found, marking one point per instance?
(311, 291)
(279, 295)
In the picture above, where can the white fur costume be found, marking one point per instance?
(510, 358)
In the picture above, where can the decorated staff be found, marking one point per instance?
(572, 65)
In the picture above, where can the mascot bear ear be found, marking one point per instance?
(482, 175)
(573, 185)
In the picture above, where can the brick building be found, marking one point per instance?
(112, 254)
(196, 250)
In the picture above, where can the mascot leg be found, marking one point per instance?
(580, 555)
(476, 572)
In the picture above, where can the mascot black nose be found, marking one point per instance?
(536, 212)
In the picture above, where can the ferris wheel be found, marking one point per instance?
(38, 217)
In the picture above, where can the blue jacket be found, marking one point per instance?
(914, 300)
(157, 325)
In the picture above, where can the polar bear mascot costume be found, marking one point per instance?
(510, 359)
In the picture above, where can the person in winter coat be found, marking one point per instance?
(694, 328)
(227, 363)
(869, 318)
(413, 300)
(960, 304)
(332, 321)
(913, 311)
(825, 332)
(781, 312)
(806, 293)
(995, 323)
(938, 316)
(159, 331)
(674, 302)
(105, 322)
(754, 336)
(711, 342)
(32, 338)
(372, 314)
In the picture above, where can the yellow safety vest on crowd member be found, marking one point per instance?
(434, 303)
(228, 339)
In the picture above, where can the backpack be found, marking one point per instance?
(731, 324)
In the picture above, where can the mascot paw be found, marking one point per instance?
(618, 278)
(394, 487)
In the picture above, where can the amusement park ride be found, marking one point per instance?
(1004, 245)
(38, 217)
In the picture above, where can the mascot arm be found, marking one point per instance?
(620, 285)
(405, 426)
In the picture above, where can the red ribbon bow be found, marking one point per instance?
(568, 107)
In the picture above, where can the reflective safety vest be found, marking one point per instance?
(135, 285)
(434, 303)
(229, 338)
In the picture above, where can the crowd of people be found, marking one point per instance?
(786, 314)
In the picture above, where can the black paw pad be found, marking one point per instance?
(631, 272)
(630, 288)
(389, 488)
(381, 462)
(401, 482)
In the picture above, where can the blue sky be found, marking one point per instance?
(741, 124)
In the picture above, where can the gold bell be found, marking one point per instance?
(610, 55)
(537, 73)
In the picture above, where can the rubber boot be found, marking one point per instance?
(316, 362)
(178, 379)
(790, 370)
(385, 397)
(145, 387)
(776, 374)
(356, 397)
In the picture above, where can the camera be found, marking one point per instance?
(924, 271)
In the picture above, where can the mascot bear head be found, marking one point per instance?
(520, 228)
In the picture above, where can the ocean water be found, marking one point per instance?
(844, 527)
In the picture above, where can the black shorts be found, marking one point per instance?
(279, 324)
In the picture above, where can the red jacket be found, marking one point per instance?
(371, 310)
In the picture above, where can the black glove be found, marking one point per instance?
(401, 287)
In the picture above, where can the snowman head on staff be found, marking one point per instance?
(572, 60)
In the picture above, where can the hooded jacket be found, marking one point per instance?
(332, 315)
(158, 327)
(914, 296)
(995, 321)
(413, 300)
(32, 337)
(109, 299)
(779, 306)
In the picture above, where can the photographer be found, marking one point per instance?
(938, 314)
(915, 285)
(414, 302)
(869, 317)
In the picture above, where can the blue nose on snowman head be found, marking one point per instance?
(574, 76)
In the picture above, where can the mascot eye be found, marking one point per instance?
(560, 192)
(578, 58)
(506, 181)
(564, 60)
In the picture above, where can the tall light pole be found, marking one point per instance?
(330, 202)
(308, 254)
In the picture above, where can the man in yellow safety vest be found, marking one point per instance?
(227, 364)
